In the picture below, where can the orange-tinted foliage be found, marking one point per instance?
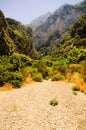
(28, 80)
(6, 87)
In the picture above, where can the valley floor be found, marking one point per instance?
(28, 108)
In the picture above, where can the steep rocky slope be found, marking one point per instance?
(59, 22)
(6, 43)
(22, 36)
(15, 37)
(39, 21)
(65, 46)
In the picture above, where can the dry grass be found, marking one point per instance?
(6, 87)
(28, 80)
(74, 66)
(78, 80)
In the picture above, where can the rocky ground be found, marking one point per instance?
(28, 108)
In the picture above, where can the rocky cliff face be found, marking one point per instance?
(6, 43)
(15, 37)
(22, 37)
(59, 21)
(39, 21)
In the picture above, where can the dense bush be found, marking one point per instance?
(42, 68)
(60, 68)
(57, 77)
(37, 77)
(73, 55)
(5, 64)
(10, 68)
(15, 78)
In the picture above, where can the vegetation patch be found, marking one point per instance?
(54, 102)
(37, 77)
(10, 69)
(57, 77)
(74, 92)
(75, 88)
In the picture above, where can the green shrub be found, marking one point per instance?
(54, 102)
(73, 55)
(16, 83)
(15, 78)
(75, 88)
(34, 71)
(47, 61)
(63, 69)
(74, 92)
(57, 77)
(26, 71)
(60, 68)
(42, 68)
(37, 77)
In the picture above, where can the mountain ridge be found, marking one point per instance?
(59, 21)
(39, 21)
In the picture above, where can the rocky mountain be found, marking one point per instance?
(15, 37)
(39, 21)
(58, 22)
(73, 43)
(6, 43)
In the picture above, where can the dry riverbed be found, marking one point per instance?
(28, 108)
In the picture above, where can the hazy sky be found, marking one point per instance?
(27, 10)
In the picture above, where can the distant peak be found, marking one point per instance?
(65, 6)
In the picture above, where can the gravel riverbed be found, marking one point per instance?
(28, 108)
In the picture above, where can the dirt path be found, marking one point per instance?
(29, 109)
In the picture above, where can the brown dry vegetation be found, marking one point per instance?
(74, 66)
(6, 87)
(28, 80)
(78, 80)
